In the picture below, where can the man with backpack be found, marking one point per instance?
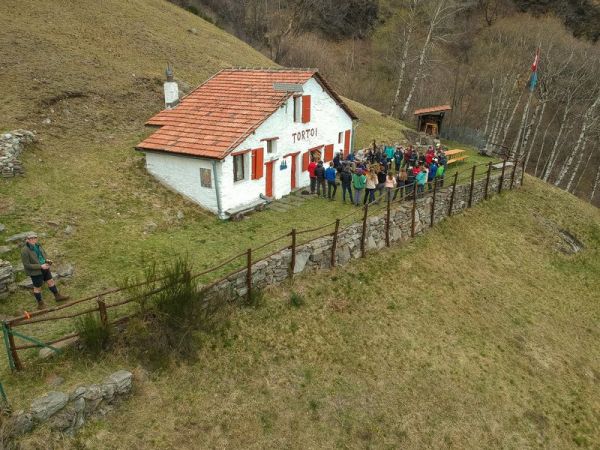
(320, 177)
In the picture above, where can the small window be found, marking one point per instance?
(298, 109)
(340, 137)
(272, 146)
(238, 168)
(206, 178)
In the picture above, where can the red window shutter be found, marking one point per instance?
(305, 108)
(347, 143)
(305, 161)
(257, 163)
(329, 153)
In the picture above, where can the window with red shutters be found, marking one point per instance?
(329, 153)
(305, 161)
(257, 163)
(305, 108)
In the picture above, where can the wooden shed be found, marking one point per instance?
(429, 120)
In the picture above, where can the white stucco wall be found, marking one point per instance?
(326, 116)
(182, 174)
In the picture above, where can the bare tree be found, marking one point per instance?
(442, 11)
(406, 35)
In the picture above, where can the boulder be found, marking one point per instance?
(301, 260)
(44, 407)
(18, 237)
(5, 249)
(21, 423)
(2, 228)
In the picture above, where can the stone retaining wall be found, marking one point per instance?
(7, 279)
(316, 255)
(68, 412)
(11, 146)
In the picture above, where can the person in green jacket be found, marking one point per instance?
(440, 174)
(359, 180)
(37, 266)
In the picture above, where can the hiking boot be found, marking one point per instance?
(41, 305)
(61, 298)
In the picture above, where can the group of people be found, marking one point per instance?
(386, 169)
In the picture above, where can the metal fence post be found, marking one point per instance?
(512, 175)
(472, 185)
(487, 180)
(11, 362)
(452, 196)
(249, 277)
(364, 232)
(334, 243)
(433, 202)
(13, 350)
(293, 261)
(502, 176)
(387, 220)
(414, 211)
(103, 312)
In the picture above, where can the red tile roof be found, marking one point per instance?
(218, 115)
(433, 109)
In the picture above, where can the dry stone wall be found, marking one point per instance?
(68, 412)
(7, 279)
(11, 146)
(316, 255)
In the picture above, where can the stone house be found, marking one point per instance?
(247, 135)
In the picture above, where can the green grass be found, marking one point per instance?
(84, 171)
(480, 334)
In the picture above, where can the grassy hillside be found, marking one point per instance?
(481, 334)
(95, 70)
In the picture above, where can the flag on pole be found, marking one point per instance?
(533, 79)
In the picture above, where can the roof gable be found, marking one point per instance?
(433, 109)
(218, 115)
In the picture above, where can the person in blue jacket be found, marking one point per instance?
(330, 176)
(431, 175)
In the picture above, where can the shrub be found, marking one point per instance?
(175, 313)
(93, 334)
(296, 300)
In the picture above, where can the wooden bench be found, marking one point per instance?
(455, 155)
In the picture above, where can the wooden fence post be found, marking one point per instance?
(414, 211)
(487, 180)
(249, 277)
(502, 176)
(103, 312)
(433, 202)
(472, 185)
(364, 232)
(13, 350)
(452, 196)
(512, 175)
(293, 262)
(523, 173)
(334, 244)
(387, 220)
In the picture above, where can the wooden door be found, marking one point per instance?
(269, 179)
(294, 169)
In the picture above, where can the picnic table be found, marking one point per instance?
(456, 155)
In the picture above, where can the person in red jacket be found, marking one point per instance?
(311, 173)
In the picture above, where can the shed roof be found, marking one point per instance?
(433, 109)
(221, 113)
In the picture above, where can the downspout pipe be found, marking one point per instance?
(217, 190)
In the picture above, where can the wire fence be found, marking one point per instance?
(122, 298)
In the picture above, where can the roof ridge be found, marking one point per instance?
(271, 69)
